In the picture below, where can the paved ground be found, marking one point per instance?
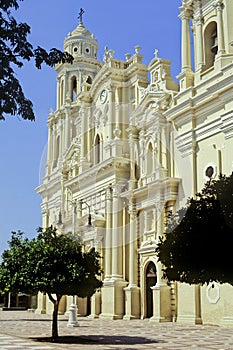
(21, 330)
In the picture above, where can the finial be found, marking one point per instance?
(80, 17)
(127, 56)
(137, 49)
(156, 53)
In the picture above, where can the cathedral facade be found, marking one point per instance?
(125, 149)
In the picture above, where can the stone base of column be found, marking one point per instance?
(95, 305)
(117, 147)
(221, 60)
(188, 304)
(161, 304)
(227, 321)
(84, 165)
(133, 184)
(186, 79)
(108, 149)
(41, 304)
(189, 320)
(113, 299)
(39, 311)
(132, 302)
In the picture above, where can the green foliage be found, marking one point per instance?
(51, 263)
(197, 245)
(14, 50)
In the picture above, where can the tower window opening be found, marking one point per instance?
(214, 48)
(211, 44)
(73, 89)
(89, 80)
(97, 150)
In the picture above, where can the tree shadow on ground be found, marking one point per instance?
(98, 339)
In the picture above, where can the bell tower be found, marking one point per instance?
(82, 45)
(72, 80)
(210, 24)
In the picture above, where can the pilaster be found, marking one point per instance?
(161, 303)
(199, 53)
(132, 293)
(189, 310)
(186, 75)
(113, 299)
(95, 305)
(108, 238)
(41, 303)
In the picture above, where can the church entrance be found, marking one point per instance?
(151, 279)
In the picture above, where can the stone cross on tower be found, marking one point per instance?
(80, 17)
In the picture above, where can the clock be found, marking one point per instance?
(103, 96)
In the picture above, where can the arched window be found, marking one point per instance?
(73, 89)
(149, 159)
(211, 44)
(97, 150)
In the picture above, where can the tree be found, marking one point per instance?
(197, 245)
(14, 50)
(51, 263)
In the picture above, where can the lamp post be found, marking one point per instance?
(72, 321)
(89, 214)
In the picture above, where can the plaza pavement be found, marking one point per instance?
(20, 330)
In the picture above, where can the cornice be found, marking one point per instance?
(164, 190)
(224, 124)
(108, 169)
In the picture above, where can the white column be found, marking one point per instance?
(50, 148)
(164, 148)
(108, 240)
(199, 35)
(54, 143)
(132, 292)
(58, 93)
(67, 130)
(219, 8)
(111, 92)
(79, 209)
(84, 165)
(185, 16)
(132, 141)
(142, 155)
(160, 229)
(133, 266)
(117, 253)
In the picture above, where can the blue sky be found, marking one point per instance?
(120, 25)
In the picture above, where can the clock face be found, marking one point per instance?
(103, 96)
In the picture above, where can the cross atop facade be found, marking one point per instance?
(80, 17)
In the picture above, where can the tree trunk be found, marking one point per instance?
(55, 315)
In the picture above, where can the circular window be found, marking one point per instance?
(75, 49)
(87, 50)
(210, 171)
